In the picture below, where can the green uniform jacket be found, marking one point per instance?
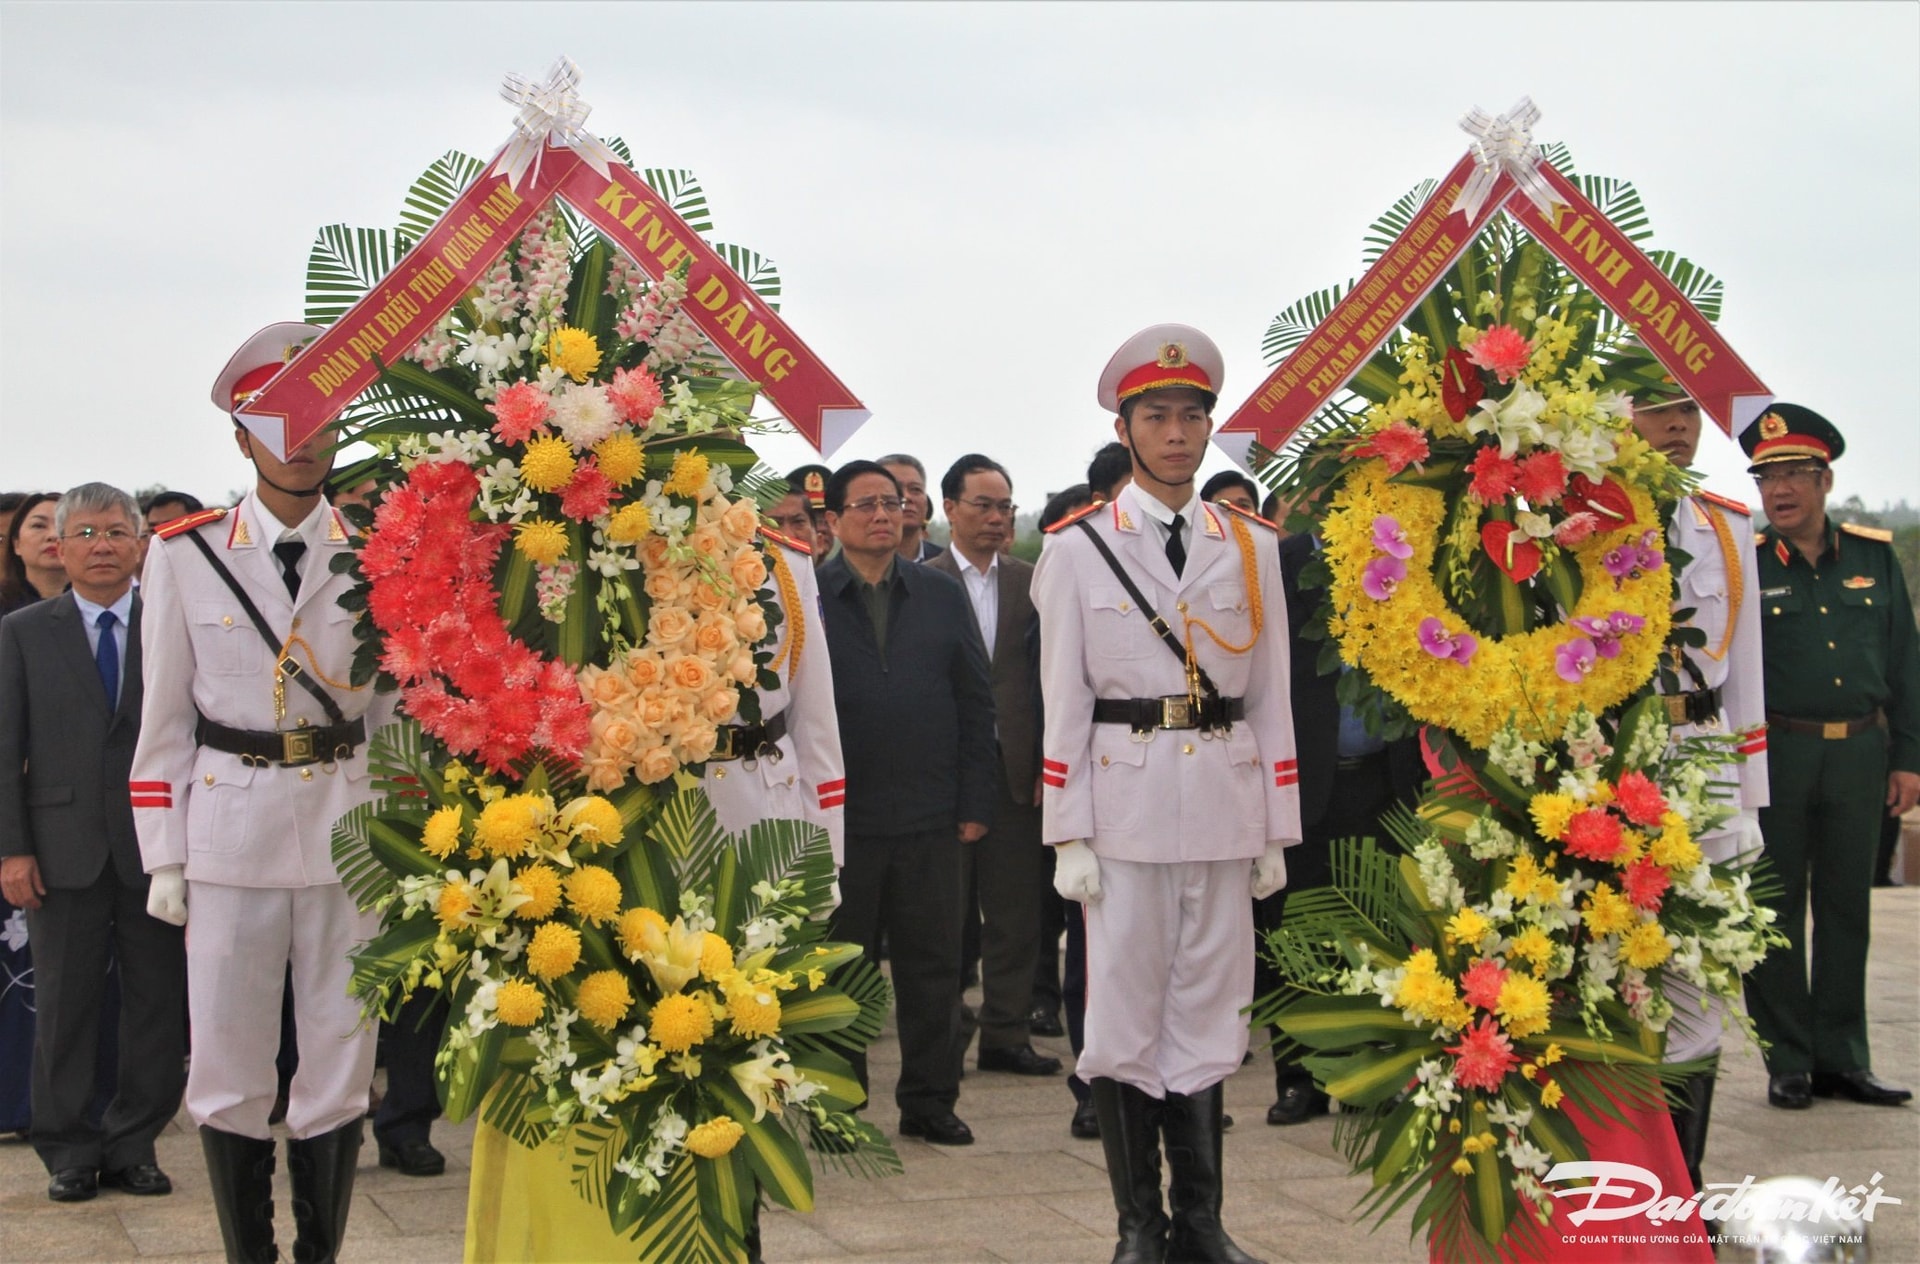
(1838, 638)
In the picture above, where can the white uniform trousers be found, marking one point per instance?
(239, 943)
(1169, 967)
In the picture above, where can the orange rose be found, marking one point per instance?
(655, 765)
(645, 669)
(741, 521)
(699, 741)
(618, 736)
(721, 705)
(607, 690)
(740, 667)
(749, 570)
(605, 773)
(750, 624)
(708, 597)
(663, 584)
(653, 553)
(668, 627)
(652, 710)
(714, 637)
(690, 674)
(708, 542)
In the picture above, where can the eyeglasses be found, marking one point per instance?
(980, 504)
(1798, 474)
(874, 504)
(112, 535)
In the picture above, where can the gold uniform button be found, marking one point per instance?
(1104, 761)
(719, 774)
(1187, 749)
(1869, 601)
(306, 774)
(1181, 606)
(1831, 645)
(1776, 609)
(1823, 609)
(1836, 680)
(789, 779)
(227, 622)
(209, 778)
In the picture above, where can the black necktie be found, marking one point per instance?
(1176, 551)
(290, 552)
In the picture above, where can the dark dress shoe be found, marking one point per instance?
(1045, 1021)
(1018, 1060)
(1792, 1091)
(1298, 1103)
(138, 1178)
(413, 1158)
(944, 1129)
(1858, 1086)
(1086, 1121)
(73, 1185)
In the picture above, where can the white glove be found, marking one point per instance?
(1270, 871)
(1737, 840)
(167, 895)
(1076, 872)
(831, 903)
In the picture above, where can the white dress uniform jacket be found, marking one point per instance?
(1180, 795)
(227, 822)
(808, 781)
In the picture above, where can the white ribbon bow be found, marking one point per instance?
(1504, 144)
(549, 111)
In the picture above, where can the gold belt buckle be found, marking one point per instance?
(299, 747)
(1176, 712)
(1676, 708)
(1834, 730)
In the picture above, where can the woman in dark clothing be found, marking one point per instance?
(33, 569)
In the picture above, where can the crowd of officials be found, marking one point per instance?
(938, 662)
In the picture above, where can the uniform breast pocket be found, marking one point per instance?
(217, 804)
(225, 642)
(1227, 613)
(1863, 609)
(1115, 626)
(1119, 768)
(1780, 604)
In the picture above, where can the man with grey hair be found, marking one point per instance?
(70, 697)
(912, 477)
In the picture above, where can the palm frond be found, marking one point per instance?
(690, 833)
(861, 982)
(593, 1147)
(1620, 202)
(1290, 328)
(856, 1148)
(1702, 288)
(619, 146)
(438, 187)
(1560, 158)
(682, 191)
(507, 1108)
(365, 879)
(674, 1228)
(758, 271)
(342, 266)
(1393, 221)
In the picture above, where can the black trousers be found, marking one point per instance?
(73, 933)
(909, 888)
(1005, 871)
(412, 1102)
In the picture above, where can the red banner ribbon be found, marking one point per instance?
(454, 255)
(1670, 326)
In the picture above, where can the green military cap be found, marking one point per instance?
(811, 481)
(1788, 432)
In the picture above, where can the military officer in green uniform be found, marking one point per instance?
(1843, 722)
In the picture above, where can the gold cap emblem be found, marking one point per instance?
(1173, 356)
(1771, 427)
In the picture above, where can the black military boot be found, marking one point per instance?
(1130, 1134)
(322, 1169)
(1691, 1118)
(241, 1172)
(1191, 1124)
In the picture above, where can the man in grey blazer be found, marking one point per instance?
(70, 700)
(1009, 867)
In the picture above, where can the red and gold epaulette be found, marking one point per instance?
(1726, 502)
(1076, 516)
(1868, 533)
(787, 540)
(1248, 514)
(187, 522)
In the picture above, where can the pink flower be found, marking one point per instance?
(1576, 529)
(1502, 351)
(1399, 445)
(1437, 641)
(1390, 538)
(518, 411)
(635, 394)
(1606, 630)
(1645, 884)
(1493, 476)
(1485, 1056)
(1382, 576)
(1640, 799)
(1595, 834)
(1542, 478)
(1480, 985)
(588, 495)
(1574, 659)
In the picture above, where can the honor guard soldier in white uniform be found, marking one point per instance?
(1170, 785)
(1714, 688)
(251, 744)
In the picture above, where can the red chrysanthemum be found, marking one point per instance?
(634, 394)
(1595, 834)
(1542, 479)
(451, 479)
(1399, 445)
(588, 495)
(518, 411)
(1640, 799)
(1502, 352)
(1460, 384)
(1493, 476)
(1480, 985)
(1644, 883)
(1485, 1056)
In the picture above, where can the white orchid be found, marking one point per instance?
(1512, 419)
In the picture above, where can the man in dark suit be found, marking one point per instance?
(1009, 868)
(69, 718)
(1348, 780)
(910, 683)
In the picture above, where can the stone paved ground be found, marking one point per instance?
(1028, 1192)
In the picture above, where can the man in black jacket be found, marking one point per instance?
(913, 692)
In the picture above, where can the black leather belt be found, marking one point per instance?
(1348, 763)
(1176, 711)
(290, 748)
(1831, 730)
(1693, 708)
(750, 741)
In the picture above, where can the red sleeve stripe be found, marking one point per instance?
(1057, 780)
(1054, 765)
(1753, 743)
(1286, 765)
(151, 800)
(150, 787)
(833, 800)
(829, 787)
(1287, 778)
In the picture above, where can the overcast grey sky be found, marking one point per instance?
(971, 206)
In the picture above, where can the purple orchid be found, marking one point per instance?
(1606, 630)
(1382, 576)
(1390, 538)
(1574, 659)
(1437, 641)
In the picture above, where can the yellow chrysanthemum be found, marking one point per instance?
(1645, 946)
(1425, 991)
(593, 820)
(639, 929)
(1675, 848)
(593, 893)
(555, 949)
(1551, 1093)
(604, 998)
(753, 1011)
(679, 1022)
(1551, 812)
(456, 901)
(1535, 945)
(1523, 1005)
(442, 833)
(621, 458)
(508, 825)
(1529, 881)
(1467, 927)
(629, 524)
(541, 883)
(541, 542)
(689, 475)
(1607, 912)
(574, 352)
(547, 464)
(519, 1003)
(715, 1138)
(1553, 1054)
(716, 956)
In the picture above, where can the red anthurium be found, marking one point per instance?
(1606, 500)
(1460, 385)
(1510, 550)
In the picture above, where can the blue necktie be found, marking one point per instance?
(106, 656)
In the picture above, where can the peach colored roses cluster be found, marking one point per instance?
(659, 707)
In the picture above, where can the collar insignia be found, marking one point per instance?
(1126, 521)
